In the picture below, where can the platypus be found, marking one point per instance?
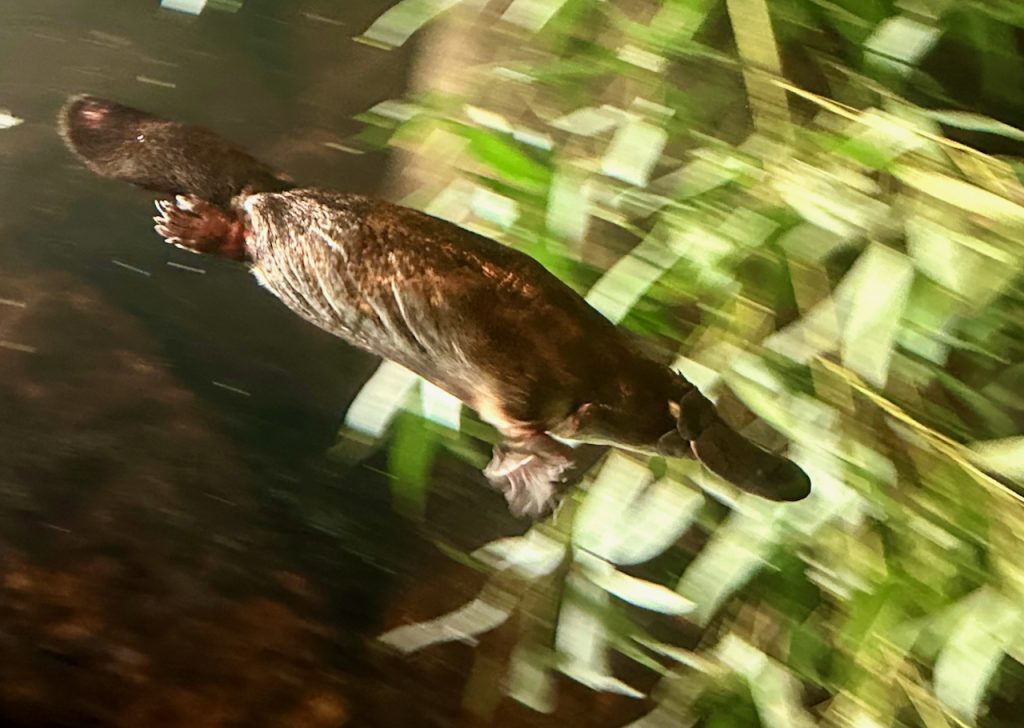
(480, 320)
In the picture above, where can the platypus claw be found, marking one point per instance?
(187, 202)
(200, 227)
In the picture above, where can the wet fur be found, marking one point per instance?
(481, 320)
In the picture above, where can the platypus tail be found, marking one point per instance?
(729, 455)
(122, 143)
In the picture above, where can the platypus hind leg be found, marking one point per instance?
(529, 471)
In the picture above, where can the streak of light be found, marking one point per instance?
(131, 268)
(155, 82)
(13, 346)
(342, 148)
(161, 62)
(46, 36)
(323, 19)
(228, 387)
(186, 267)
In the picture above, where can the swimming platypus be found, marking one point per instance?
(478, 319)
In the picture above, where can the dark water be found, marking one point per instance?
(269, 77)
(175, 548)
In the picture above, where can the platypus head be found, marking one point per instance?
(657, 411)
(729, 455)
(119, 142)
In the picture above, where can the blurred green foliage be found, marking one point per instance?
(811, 207)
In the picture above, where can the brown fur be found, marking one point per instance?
(482, 321)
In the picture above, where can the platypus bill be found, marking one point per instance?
(478, 319)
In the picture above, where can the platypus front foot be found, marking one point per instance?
(201, 227)
(531, 473)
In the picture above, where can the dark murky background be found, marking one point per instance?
(175, 547)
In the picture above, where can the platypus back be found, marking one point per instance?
(480, 320)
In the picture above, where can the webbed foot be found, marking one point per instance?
(200, 227)
(531, 473)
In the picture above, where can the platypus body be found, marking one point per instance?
(478, 319)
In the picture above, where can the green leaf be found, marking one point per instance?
(642, 593)
(878, 137)
(530, 680)
(383, 396)
(964, 195)
(685, 657)
(532, 14)
(487, 119)
(653, 522)
(975, 122)
(747, 228)
(590, 120)
(1005, 456)
(507, 160)
(971, 267)
(634, 151)
(774, 689)
(411, 457)
(193, 7)
(461, 625)
(880, 283)
(709, 170)
(439, 406)
(624, 284)
(737, 549)
(677, 21)
(602, 682)
(399, 22)
(808, 650)
(931, 311)
(581, 637)
(900, 43)
(452, 203)
(535, 554)
(970, 658)
(499, 209)
(704, 247)
(845, 207)
(568, 210)
(617, 484)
